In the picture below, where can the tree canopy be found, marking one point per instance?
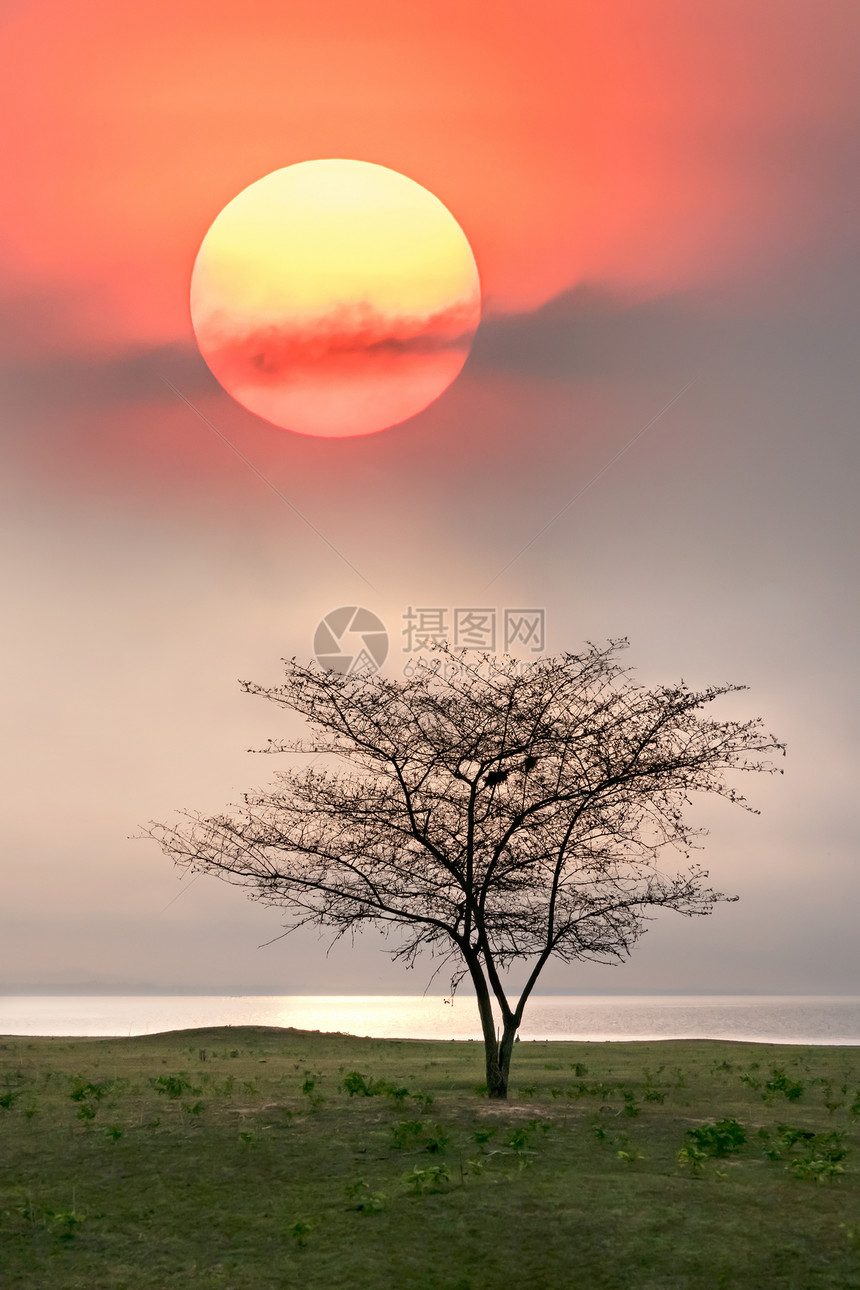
(493, 811)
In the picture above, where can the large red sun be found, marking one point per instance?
(335, 298)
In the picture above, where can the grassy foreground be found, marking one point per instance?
(238, 1159)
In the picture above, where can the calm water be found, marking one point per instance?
(777, 1018)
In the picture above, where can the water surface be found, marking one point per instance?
(832, 1019)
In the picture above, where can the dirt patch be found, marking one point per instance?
(511, 1108)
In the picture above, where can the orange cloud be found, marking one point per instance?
(652, 145)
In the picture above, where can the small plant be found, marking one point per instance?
(630, 1155)
(579, 1069)
(413, 1133)
(482, 1136)
(192, 1108)
(65, 1222)
(354, 1083)
(651, 1093)
(301, 1230)
(406, 1132)
(693, 1158)
(771, 1150)
(430, 1178)
(725, 1138)
(815, 1168)
(173, 1086)
(521, 1137)
(38, 1218)
(7, 1100)
(372, 1203)
(789, 1137)
(750, 1081)
(852, 1234)
(310, 1083)
(367, 1201)
(436, 1140)
(88, 1094)
(113, 1132)
(630, 1107)
(519, 1140)
(88, 1091)
(779, 1082)
(822, 1156)
(599, 1126)
(829, 1146)
(832, 1103)
(785, 1139)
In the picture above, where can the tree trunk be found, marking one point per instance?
(497, 1052)
(506, 1047)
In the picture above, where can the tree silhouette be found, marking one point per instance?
(494, 811)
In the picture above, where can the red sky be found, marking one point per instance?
(651, 145)
(655, 190)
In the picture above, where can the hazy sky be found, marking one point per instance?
(655, 191)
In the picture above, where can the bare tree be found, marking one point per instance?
(493, 811)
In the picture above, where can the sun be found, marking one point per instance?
(335, 298)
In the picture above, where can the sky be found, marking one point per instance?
(654, 436)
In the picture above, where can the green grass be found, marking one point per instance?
(235, 1159)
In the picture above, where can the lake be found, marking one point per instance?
(832, 1019)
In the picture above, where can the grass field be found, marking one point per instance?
(238, 1159)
